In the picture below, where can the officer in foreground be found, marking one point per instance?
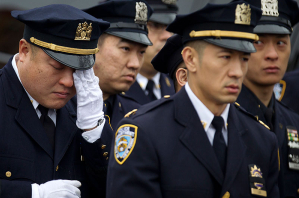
(266, 67)
(170, 61)
(150, 84)
(195, 143)
(42, 152)
(120, 56)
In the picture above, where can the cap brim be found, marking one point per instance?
(271, 29)
(133, 36)
(164, 18)
(238, 45)
(80, 62)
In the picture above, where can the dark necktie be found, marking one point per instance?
(218, 142)
(150, 88)
(47, 123)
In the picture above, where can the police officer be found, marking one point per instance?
(170, 61)
(120, 56)
(265, 68)
(151, 84)
(42, 151)
(195, 143)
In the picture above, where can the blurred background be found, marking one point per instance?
(11, 30)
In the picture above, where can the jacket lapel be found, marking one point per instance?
(66, 129)
(26, 116)
(279, 126)
(236, 149)
(117, 112)
(194, 137)
(167, 87)
(137, 94)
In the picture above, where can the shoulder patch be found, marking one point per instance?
(279, 89)
(130, 113)
(125, 140)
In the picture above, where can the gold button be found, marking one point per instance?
(123, 93)
(119, 104)
(105, 154)
(106, 158)
(57, 168)
(8, 174)
(167, 96)
(103, 146)
(298, 191)
(226, 195)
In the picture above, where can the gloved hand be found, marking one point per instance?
(89, 99)
(59, 188)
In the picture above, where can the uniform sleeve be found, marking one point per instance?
(272, 184)
(13, 189)
(133, 168)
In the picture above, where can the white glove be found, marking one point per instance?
(89, 99)
(57, 189)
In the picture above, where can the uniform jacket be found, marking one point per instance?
(288, 179)
(122, 105)
(26, 155)
(173, 157)
(136, 92)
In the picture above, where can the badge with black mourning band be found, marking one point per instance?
(293, 147)
(257, 182)
(125, 140)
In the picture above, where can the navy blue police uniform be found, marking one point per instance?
(164, 13)
(162, 149)
(280, 119)
(26, 153)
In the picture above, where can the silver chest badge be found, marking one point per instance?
(270, 7)
(141, 13)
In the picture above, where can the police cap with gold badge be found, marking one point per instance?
(229, 26)
(170, 56)
(278, 17)
(65, 33)
(164, 11)
(128, 18)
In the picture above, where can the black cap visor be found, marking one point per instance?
(238, 45)
(132, 36)
(79, 62)
(163, 18)
(271, 29)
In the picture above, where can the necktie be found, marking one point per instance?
(268, 116)
(150, 88)
(47, 123)
(218, 142)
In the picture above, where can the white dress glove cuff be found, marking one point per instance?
(95, 134)
(35, 193)
(91, 122)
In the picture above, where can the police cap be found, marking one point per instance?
(164, 11)
(65, 33)
(226, 25)
(127, 18)
(169, 57)
(278, 17)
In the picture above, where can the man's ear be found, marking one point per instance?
(190, 58)
(24, 49)
(181, 76)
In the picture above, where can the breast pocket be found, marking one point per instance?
(14, 168)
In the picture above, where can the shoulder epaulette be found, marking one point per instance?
(130, 113)
(250, 115)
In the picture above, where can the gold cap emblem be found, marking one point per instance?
(141, 13)
(243, 14)
(270, 7)
(169, 1)
(83, 31)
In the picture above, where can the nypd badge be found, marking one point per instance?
(270, 7)
(141, 13)
(279, 89)
(125, 140)
(243, 14)
(257, 182)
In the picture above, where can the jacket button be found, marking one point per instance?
(105, 154)
(8, 174)
(103, 146)
(57, 168)
(298, 191)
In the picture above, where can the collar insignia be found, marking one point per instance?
(141, 13)
(270, 7)
(243, 14)
(83, 32)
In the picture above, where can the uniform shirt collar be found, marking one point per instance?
(143, 80)
(205, 115)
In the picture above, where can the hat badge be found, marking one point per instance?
(243, 14)
(141, 13)
(169, 1)
(83, 32)
(270, 7)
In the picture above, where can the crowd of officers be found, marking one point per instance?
(129, 99)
